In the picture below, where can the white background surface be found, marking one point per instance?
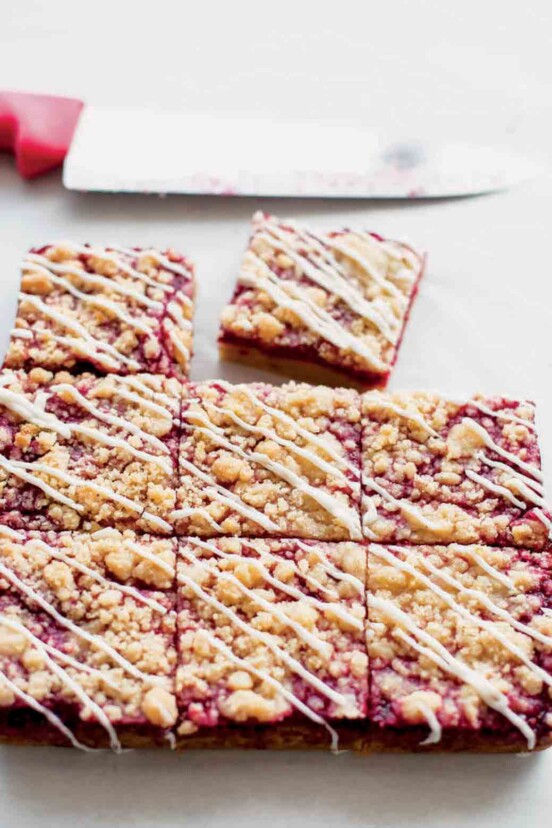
(480, 70)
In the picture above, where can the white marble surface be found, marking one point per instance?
(483, 319)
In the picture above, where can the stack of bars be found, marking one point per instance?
(200, 564)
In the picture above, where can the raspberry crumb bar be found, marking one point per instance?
(87, 629)
(460, 648)
(263, 460)
(111, 310)
(437, 470)
(82, 452)
(326, 308)
(271, 646)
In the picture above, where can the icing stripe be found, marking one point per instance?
(93, 278)
(267, 640)
(263, 676)
(280, 585)
(435, 651)
(342, 513)
(94, 640)
(66, 679)
(48, 714)
(90, 573)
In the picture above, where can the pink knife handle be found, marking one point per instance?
(37, 129)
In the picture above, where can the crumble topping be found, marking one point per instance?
(78, 452)
(437, 470)
(260, 460)
(460, 637)
(341, 298)
(73, 634)
(120, 311)
(270, 628)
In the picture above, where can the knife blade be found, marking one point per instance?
(164, 151)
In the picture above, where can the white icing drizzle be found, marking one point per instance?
(500, 415)
(378, 401)
(496, 464)
(179, 346)
(319, 321)
(465, 613)
(65, 678)
(111, 419)
(266, 639)
(224, 496)
(111, 256)
(498, 576)
(171, 739)
(94, 640)
(94, 299)
(76, 327)
(271, 434)
(507, 455)
(11, 533)
(336, 573)
(307, 435)
(437, 653)
(90, 573)
(93, 278)
(14, 467)
(491, 606)
(280, 585)
(148, 556)
(139, 385)
(174, 267)
(494, 488)
(315, 643)
(331, 280)
(32, 413)
(402, 505)
(48, 714)
(342, 513)
(435, 729)
(118, 442)
(141, 402)
(17, 465)
(21, 333)
(385, 284)
(175, 311)
(263, 676)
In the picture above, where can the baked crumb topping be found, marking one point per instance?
(260, 460)
(460, 637)
(437, 470)
(340, 298)
(269, 628)
(79, 452)
(84, 624)
(118, 310)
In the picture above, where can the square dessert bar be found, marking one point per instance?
(82, 452)
(460, 648)
(437, 470)
(271, 649)
(110, 310)
(328, 308)
(259, 460)
(87, 631)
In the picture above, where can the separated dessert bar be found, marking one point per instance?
(271, 648)
(437, 470)
(111, 310)
(460, 648)
(259, 460)
(328, 308)
(83, 452)
(87, 628)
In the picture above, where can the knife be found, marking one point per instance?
(164, 151)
